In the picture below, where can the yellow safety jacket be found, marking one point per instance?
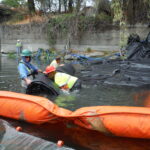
(18, 44)
(62, 79)
(54, 63)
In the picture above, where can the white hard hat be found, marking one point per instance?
(18, 40)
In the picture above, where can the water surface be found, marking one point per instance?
(90, 95)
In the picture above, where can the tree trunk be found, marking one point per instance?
(78, 5)
(70, 6)
(59, 9)
(136, 11)
(31, 6)
(65, 5)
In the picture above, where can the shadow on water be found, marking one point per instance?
(92, 94)
(75, 136)
(10, 139)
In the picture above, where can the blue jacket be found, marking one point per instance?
(26, 68)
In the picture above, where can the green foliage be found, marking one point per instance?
(89, 50)
(16, 18)
(11, 55)
(117, 8)
(65, 100)
(72, 24)
(57, 25)
(123, 38)
(53, 50)
(45, 54)
(147, 2)
(102, 16)
(12, 3)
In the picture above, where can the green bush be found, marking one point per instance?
(74, 25)
(11, 55)
(89, 50)
(104, 17)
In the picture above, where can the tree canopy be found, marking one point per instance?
(13, 3)
(131, 11)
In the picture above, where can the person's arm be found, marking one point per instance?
(23, 73)
(40, 71)
(35, 69)
(28, 81)
(61, 64)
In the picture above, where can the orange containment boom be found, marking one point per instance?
(115, 120)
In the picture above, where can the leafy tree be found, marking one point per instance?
(13, 3)
(65, 5)
(78, 5)
(147, 2)
(103, 6)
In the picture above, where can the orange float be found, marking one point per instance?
(18, 128)
(60, 143)
(111, 120)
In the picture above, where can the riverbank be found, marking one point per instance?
(34, 37)
(60, 34)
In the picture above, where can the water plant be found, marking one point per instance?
(88, 50)
(11, 55)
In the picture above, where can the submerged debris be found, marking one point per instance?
(137, 49)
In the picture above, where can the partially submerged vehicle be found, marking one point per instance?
(43, 86)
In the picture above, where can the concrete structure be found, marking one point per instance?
(35, 36)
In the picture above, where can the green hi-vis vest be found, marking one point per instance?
(54, 64)
(62, 79)
(18, 44)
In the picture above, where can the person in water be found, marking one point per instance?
(63, 80)
(18, 47)
(56, 62)
(27, 70)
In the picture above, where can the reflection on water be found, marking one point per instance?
(65, 100)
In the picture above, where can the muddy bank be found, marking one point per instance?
(34, 36)
(117, 73)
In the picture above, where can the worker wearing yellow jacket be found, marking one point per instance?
(18, 47)
(56, 62)
(63, 80)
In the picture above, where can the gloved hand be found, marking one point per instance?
(28, 81)
(65, 87)
(40, 71)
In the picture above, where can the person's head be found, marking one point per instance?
(58, 59)
(18, 40)
(50, 71)
(26, 55)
